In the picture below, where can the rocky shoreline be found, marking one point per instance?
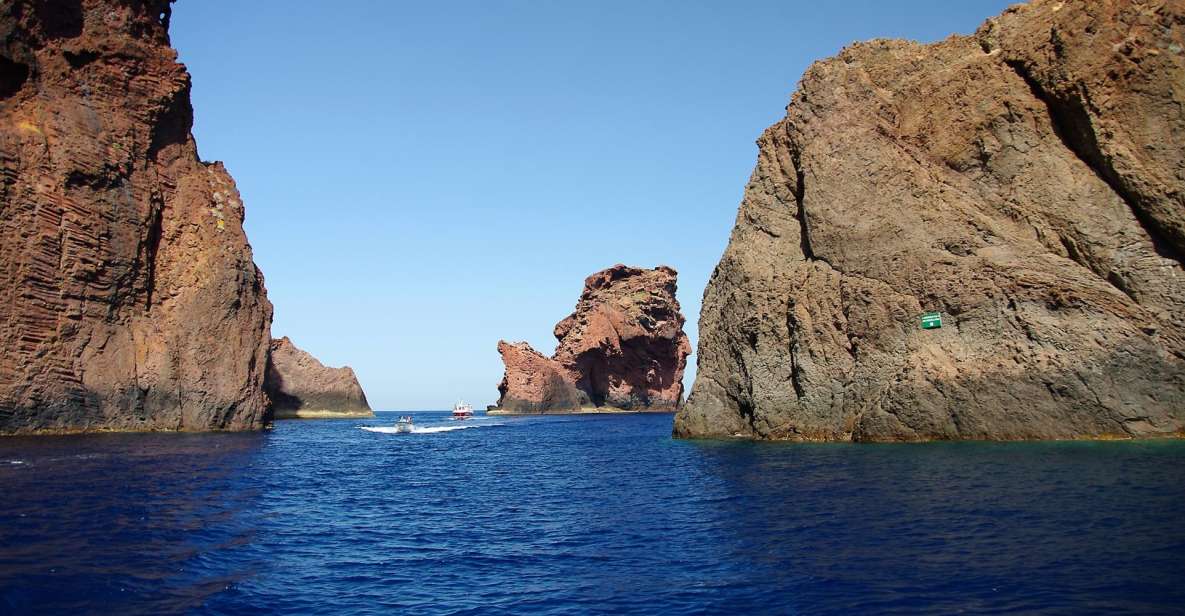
(981, 238)
(321, 414)
(583, 410)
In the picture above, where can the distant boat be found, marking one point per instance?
(462, 411)
(404, 425)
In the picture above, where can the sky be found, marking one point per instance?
(422, 179)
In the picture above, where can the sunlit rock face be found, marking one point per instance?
(1026, 183)
(622, 348)
(128, 295)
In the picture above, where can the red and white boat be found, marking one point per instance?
(462, 411)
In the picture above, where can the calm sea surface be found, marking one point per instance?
(591, 514)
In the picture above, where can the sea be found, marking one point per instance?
(591, 514)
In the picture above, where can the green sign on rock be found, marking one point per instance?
(931, 320)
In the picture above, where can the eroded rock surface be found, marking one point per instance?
(1027, 182)
(302, 387)
(623, 348)
(128, 295)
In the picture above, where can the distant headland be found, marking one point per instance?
(300, 387)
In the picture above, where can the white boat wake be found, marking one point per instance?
(424, 430)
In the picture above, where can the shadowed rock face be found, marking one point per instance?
(128, 295)
(623, 348)
(1027, 182)
(300, 386)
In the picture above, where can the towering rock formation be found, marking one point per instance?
(301, 387)
(623, 348)
(1026, 182)
(128, 295)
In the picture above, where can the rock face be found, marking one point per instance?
(301, 387)
(128, 295)
(1027, 182)
(533, 383)
(622, 349)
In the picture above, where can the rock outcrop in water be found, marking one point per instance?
(301, 387)
(1026, 182)
(622, 349)
(128, 295)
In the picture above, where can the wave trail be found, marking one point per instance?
(423, 430)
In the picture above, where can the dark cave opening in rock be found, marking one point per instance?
(13, 76)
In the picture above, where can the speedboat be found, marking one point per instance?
(404, 425)
(462, 411)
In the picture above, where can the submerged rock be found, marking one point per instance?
(128, 295)
(1027, 183)
(622, 349)
(300, 387)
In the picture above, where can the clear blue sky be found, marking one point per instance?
(424, 178)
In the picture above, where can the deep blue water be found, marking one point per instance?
(590, 514)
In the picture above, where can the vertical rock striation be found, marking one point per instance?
(128, 295)
(623, 348)
(1027, 182)
(301, 387)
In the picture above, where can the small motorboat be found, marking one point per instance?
(462, 411)
(404, 425)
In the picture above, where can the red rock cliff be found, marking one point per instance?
(128, 295)
(623, 348)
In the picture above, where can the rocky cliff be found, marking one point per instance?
(622, 349)
(128, 295)
(1027, 183)
(301, 387)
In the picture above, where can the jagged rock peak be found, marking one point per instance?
(622, 348)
